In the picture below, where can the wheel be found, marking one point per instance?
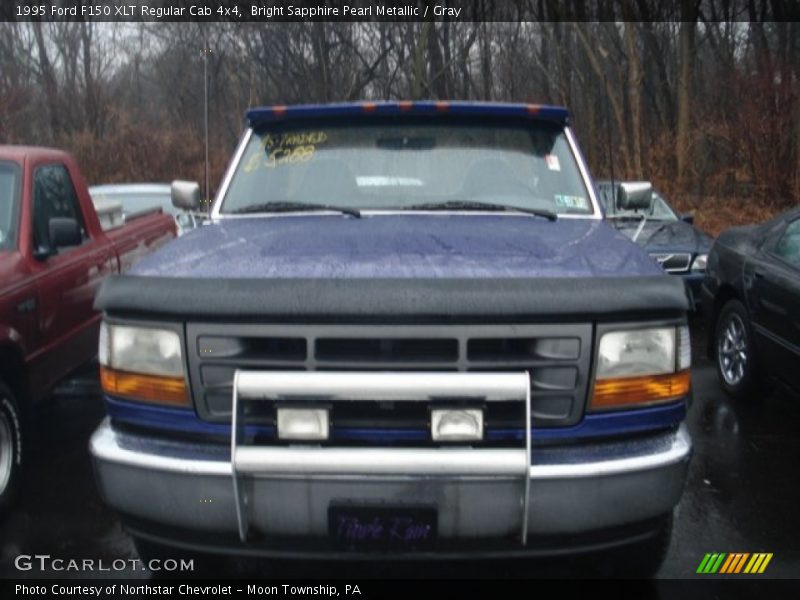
(736, 360)
(10, 448)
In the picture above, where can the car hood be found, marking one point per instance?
(663, 236)
(399, 246)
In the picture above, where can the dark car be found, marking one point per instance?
(668, 237)
(751, 297)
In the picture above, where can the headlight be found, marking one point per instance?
(641, 366)
(142, 363)
(700, 262)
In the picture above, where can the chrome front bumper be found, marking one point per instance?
(263, 492)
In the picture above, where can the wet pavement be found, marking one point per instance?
(742, 494)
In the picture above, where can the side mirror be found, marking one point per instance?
(688, 218)
(635, 195)
(185, 194)
(64, 232)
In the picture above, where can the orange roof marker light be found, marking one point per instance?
(405, 105)
(279, 110)
(533, 108)
(442, 106)
(369, 107)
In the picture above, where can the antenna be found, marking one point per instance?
(206, 52)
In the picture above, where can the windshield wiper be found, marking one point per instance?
(476, 205)
(656, 231)
(294, 207)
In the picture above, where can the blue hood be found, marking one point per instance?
(400, 246)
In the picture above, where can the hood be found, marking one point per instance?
(399, 246)
(742, 239)
(666, 236)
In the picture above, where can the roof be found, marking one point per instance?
(281, 113)
(20, 153)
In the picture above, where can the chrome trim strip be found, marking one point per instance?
(238, 493)
(526, 499)
(679, 450)
(226, 181)
(776, 339)
(266, 461)
(104, 446)
(390, 212)
(587, 180)
(418, 386)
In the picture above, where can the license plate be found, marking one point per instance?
(387, 528)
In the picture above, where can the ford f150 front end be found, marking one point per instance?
(409, 331)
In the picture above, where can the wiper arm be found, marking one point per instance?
(476, 205)
(656, 231)
(294, 207)
(640, 228)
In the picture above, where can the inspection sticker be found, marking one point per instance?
(571, 201)
(552, 162)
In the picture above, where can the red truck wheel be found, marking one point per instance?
(10, 448)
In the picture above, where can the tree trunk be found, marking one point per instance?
(418, 73)
(48, 80)
(436, 72)
(686, 38)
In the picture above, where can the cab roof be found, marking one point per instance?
(281, 113)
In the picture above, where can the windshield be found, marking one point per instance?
(409, 164)
(659, 210)
(9, 203)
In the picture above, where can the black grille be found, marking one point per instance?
(386, 349)
(673, 263)
(556, 356)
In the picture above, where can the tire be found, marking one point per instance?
(734, 351)
(10, 448)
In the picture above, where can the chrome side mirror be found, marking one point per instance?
(185, 194)
(635, 195)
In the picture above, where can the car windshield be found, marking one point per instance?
(408, 165)
(9, 203)
(659, 210)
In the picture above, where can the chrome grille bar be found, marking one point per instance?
(395, 386)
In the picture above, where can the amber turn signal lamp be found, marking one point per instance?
(619, 392)
(148, 388)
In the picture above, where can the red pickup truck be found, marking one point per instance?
(54, 253)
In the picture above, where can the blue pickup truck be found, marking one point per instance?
(407, 332)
